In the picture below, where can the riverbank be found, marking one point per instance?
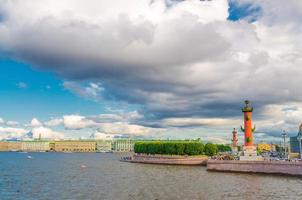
(167, 159)
(265, 167)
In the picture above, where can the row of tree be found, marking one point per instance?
(179, 148)
(223, 148)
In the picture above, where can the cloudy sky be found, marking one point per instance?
(149, 68)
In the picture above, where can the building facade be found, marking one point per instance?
(3, 146)
(35, 146)
(294, 145)
(264, 147)
(14, 146)
(116, 145)
(104, 146)
(75, 146)
(123, 145)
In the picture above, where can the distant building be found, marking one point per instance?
(123, 145)
(35, 146)
(294, 145)
(51, 146)
(273, 147)
(14, 146)
(75, 146)
(294, 142)
(104, 145)
(116, 145)
(3, 146)
(264, 147)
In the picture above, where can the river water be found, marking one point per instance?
(103, 176)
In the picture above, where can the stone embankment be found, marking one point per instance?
(167, 160)
(267, 167)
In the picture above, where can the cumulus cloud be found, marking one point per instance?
(218, 140)
(103, 136)
(35, 123)
(54, 122)
(46, 133)
(8, 123)
(108, 124)
(125, 128)
(119, 116)
(12, 123)
(77, 122)
(9, 132)
(177, 59)
(200, 122)
(276, 118)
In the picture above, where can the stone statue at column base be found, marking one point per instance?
(250, 154)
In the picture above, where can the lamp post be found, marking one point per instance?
(284, 142)
(299, 138)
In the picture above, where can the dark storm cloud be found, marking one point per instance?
(181, 60)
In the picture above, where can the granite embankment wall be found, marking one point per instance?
(269, 167)
(169, 160)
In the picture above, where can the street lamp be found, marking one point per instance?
(299, 138)
(284, 142)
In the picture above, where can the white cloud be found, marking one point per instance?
(12, 123)
(35, 123)
(139, 49)
(2, 121)
(77, 122)
(103, 136)
(175, 59)
(276, 118)
(107, 123)
(125, 128)
(54, 122)
(9, 132)
(218, 140)
(201, 122)
(46, 133)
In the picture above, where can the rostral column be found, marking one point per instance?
(234, 140)
(248, 129)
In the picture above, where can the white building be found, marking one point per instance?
(123, 145)
(35, 146)
(104, 145)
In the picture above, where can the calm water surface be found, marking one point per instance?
(63, 176)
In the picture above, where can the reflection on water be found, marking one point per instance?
(62, 176)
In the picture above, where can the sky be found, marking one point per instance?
(158, 69)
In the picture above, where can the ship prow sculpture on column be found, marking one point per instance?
(234, 142)
(249, 150)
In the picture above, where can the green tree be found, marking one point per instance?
(170, 147)
(211, 149)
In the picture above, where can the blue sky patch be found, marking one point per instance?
(249, 12)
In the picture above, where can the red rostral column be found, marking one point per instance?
(234, 140)
(248, 130)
